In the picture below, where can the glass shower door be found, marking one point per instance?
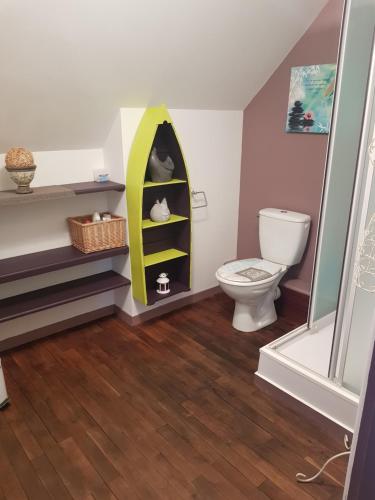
(351, 85)
(357, 298)
(357, 332)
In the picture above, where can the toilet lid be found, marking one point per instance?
(248, 270)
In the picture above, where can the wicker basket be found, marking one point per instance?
(96, 236)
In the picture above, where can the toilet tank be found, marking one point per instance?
(283, 235)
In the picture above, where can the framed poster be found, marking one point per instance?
(311, 98)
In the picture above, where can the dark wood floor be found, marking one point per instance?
(168, 410)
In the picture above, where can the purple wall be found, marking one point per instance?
(285, 170)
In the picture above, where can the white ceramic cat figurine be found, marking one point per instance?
(160, 211)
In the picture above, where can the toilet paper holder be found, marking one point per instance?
(199, 199)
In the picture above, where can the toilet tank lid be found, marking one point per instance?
(286, 215)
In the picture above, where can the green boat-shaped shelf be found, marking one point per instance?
(164, 246)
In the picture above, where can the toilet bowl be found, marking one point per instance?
(254, 300)
(253, 283)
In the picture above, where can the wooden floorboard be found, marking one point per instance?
(166, 410)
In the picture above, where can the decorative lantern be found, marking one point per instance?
(163, 284)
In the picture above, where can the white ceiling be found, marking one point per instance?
(66, 66)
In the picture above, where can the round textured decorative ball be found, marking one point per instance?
(19, 158)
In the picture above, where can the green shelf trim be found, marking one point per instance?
(135, 185)
(148, 223)
(149, 184)
(164, 256)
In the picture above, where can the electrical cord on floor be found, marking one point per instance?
(302, 478)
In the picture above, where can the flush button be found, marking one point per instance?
(284, 211)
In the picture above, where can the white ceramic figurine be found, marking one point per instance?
(160, 211)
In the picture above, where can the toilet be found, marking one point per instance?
(253, 283)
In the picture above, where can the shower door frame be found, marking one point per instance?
(328, 163)
(342, 321)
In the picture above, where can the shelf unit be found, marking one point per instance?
(24, 266)
(57, 295)
(149, 184)
(95, 187)
(149, 224)
(165, 255)
(47, 193)
(158, 246)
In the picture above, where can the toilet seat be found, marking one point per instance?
(228, 273)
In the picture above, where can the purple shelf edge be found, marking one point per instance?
(56, 295)
(23, 266)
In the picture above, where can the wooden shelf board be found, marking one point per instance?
(46, 193)
(94, 187)
(56, 295)
(149, 184)
(148, 223)
(23, 266)
(165, 255)
(176, 287)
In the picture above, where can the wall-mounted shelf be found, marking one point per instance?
(56, 295)
(158, 247)
(163, 256)
(23, 266)
(95, 187)
(45, 193)
(149, 224)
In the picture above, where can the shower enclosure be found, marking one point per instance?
(321, 362)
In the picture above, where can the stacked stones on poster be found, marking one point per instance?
(299, 121)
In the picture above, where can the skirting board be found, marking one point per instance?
(166, 308)
(58, 327)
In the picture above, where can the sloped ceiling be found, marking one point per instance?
(67, 66)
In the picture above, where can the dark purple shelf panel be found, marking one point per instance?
(94, 187)
(56, 295)
(23, 266)
(176, 287)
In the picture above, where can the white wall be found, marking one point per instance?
(42, 225)
(116, 153)
(59, 167)
(211, 141)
